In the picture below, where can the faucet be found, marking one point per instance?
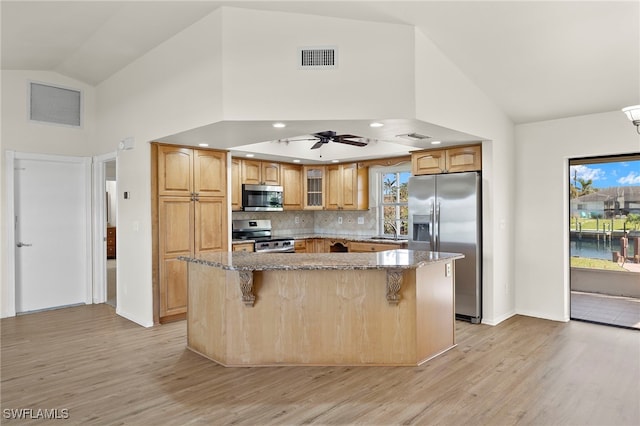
(395, 229)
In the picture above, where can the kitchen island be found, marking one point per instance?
(394, 307)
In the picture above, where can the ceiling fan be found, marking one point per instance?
(331, 136)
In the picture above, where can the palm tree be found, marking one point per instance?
(586, 187)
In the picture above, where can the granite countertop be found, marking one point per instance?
(359, 238)
(390, 259)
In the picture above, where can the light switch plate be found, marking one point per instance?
(360, 220)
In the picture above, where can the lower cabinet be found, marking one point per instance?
(248, 247)
(360, 247)
(300, 246)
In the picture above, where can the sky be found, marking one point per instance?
(605, 175)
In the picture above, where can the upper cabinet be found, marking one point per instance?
(347, 187)
(260, 172)
(337, 187)
(236, 184)
(313, 182)
(291, 176)
(185, 171)
(452, 160)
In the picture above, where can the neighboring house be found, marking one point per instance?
(607, 203)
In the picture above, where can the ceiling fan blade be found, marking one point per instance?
(348, 142)
(318, 144)
(346, 137)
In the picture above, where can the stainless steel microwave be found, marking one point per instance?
(261, 198)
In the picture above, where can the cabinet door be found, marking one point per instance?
(428, 162)
(175, 227)
(334, 187)
(313, 182)
(236, 184)
(210, 225)
(292, 186)
(270, 173)
(349, 187)
(175, 171)
(210, 173)
(300, 246)
(251, 172)
(464, 159)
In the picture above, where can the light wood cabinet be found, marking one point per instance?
(464, 159)
(364, 247)
(291, 175)
(257, 172)
(189, 219)
(347, 187)
(300, 246)
(236, 184)
(451, 160)
(315, 245)
(248, 247)
(111, 242)
(313, 180)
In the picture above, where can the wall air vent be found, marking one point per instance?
(317, 57)
(55, 105)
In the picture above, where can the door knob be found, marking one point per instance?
(21, 244)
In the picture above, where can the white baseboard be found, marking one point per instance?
(498, 320)
(133, 318)
(542, 315)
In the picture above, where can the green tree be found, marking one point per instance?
(633, 220)
(586, 187)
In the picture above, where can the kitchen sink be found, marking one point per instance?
(386, 237)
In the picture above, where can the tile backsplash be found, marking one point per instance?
(318, 222)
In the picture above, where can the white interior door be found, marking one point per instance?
(51, 202)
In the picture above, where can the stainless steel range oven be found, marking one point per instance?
(260, 231)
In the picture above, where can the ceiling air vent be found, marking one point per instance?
(55, 105)
(413, 136)
(317, 57)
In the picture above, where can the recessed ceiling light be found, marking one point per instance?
(436, 142)
(376, 124)
(279, 125)
(296, 161)
(335, 161)
(249, 155)
(203, 144)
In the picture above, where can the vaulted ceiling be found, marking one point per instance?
(537, 60)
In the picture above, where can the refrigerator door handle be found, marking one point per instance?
(437, 244)
(432, 217)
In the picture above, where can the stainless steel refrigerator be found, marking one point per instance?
(445, 214)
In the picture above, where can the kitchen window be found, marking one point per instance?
(393, 199)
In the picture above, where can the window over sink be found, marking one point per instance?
(392, 200)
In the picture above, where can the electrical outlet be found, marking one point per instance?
(360, 220)
(297, 219)
(339, 220)
(447, 271)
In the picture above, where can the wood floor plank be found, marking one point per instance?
(106, 370)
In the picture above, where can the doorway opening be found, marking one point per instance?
(105, 226)
(111, 226)
(604, 238)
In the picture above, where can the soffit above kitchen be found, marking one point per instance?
(397, 137)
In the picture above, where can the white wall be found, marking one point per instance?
(542, 202)
(446, 97)
(20, 134)
(174, 87)
(374, 77)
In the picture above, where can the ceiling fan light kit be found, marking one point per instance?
(633, 114)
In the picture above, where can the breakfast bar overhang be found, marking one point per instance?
(394, 307)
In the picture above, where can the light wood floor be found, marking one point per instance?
(107, 370)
